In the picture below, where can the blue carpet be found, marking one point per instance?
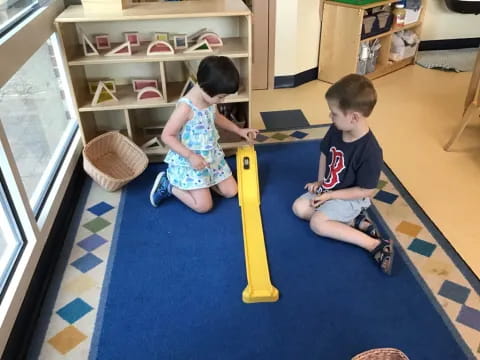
(176, 280)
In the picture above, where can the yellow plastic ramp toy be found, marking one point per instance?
(259, 287)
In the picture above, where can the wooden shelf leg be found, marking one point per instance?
(163, 81)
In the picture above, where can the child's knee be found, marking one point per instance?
(230, 192)
(203, 207)
(316, 226)
(296, 208)
(301, 209)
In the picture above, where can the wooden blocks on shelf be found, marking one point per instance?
(204, 42)
(159, 47)
(153, 145)
(102, 41)
(163, 36)
(103, 94)
(180, 41)
(189, 84)
(88, 48)
(212, 38)
(140, 84)
(122, 49)
(201, 47)
(132, 37)
(93, 85)
(149, 92)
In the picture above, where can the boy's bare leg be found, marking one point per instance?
(302, 208)
(227, 188)
(323, 226)
(199, 200)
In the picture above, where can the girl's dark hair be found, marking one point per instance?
(218, 75)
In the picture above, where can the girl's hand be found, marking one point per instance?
(320, 199)
(197, 162)
(313, 186)
(248, 134)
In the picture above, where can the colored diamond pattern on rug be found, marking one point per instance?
(386, 197)
(80, 284)
(74, 310)
(92, 242)
(96, 224)
(279, 136)
(454, 292)
(86, 262)
(261, 138)
(439, 268)
(100, 209)
(470, 317)
(422, 247)
(67, 339)
(298, 134)
(408, 228)
(381, 184)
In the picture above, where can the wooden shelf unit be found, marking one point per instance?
(127, 99)
(392, 31)
(339, 49)
(231, 19)
(232, 47)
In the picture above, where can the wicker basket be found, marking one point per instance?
(381, 354)
(113, 160)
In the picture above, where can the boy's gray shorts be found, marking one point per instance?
(341, 210)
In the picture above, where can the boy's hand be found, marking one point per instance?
(197, 162)
(320, 199)
(313, 186)
(248, 134)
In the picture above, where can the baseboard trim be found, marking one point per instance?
(289, 81)
(449, 44)
(24, 328)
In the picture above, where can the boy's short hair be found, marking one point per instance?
(218, 75)
(353, 93)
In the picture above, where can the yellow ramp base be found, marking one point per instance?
(259, 288)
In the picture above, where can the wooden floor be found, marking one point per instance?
(416, 113)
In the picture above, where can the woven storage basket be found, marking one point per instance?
(381, 354)
(113, 160)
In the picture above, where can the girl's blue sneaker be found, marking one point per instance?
(161, 189)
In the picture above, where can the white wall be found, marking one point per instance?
(285, 37)
(297, 36)
(308, 34)
(442, 23)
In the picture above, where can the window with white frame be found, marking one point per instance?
(12, 11)
(11, 240)
(39, 144)
(35, 113)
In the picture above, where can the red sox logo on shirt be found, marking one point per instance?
(335, 168)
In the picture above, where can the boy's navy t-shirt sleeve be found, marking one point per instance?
(369, 170)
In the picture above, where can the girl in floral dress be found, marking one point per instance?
(195, 160)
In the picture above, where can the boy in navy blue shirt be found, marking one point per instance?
(349, 170)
